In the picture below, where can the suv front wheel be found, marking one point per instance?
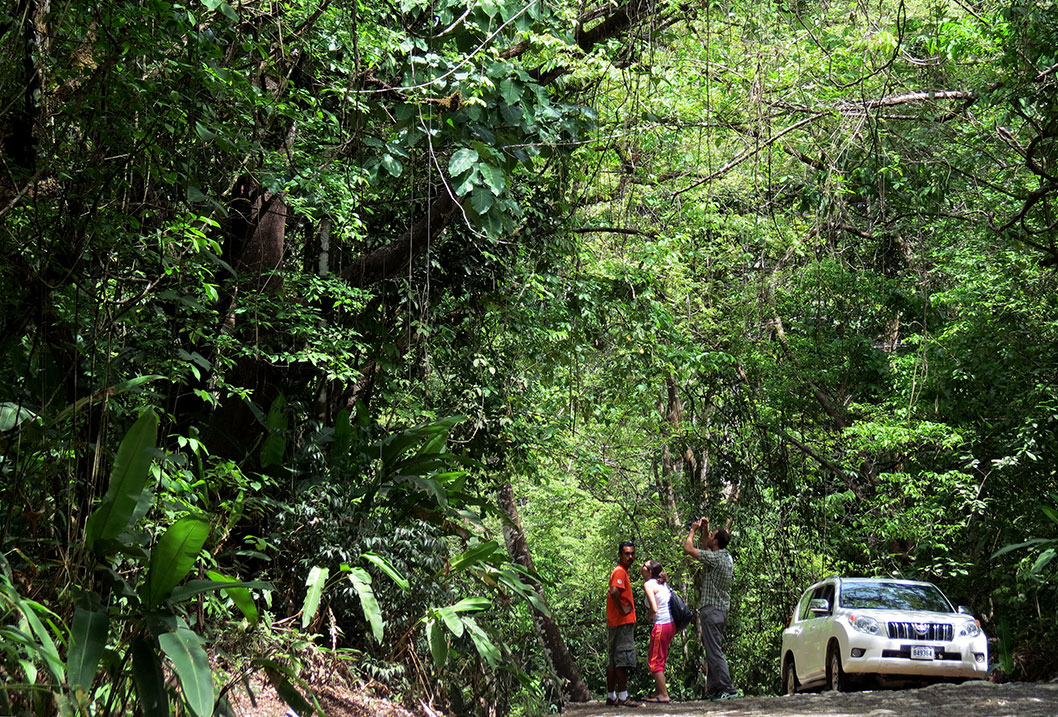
(836, 678)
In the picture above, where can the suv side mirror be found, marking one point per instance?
(819, 606)
(963, 610)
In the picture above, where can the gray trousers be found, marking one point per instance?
(713, 622)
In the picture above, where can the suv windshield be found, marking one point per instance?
(893, 596)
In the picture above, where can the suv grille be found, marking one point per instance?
(921, 631)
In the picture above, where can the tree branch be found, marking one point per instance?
(747, 154)
(384, 262)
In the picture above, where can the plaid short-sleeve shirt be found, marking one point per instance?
(716, 582)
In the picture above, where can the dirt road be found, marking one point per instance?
(972, 699)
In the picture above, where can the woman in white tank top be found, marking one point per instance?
(657, 594)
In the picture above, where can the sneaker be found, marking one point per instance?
(610, 701)
(725, 696)
(628, 703)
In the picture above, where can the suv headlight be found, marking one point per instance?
(971, 629)
(862, 623)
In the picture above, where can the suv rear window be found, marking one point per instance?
(893, 596)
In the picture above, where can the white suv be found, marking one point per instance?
(879, 627)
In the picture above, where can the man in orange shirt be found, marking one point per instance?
(620, 629)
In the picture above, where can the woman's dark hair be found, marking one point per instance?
(657, 572)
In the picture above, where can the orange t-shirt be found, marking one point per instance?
(619, 578)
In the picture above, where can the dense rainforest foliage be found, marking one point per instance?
(371, 328)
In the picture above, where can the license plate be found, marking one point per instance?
(919, 652)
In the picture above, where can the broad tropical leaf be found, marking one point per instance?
(275, 444)
(12, 414)
(476, 554)
(485, 645)
(44, 645)
(174, 556)
(1044, 560)
(127, 480)
(184, 649)
(314, 582)
(282, 678)
(88, 639)
(1016, 546)
(387, 567)
(438, 644)
(452, 620)
(472, 603)
(361, 580)
(148, 679)
(237, 591)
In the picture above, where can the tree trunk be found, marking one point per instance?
(550, 637)
(673, 414)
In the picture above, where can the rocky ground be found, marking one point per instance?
(976, 699)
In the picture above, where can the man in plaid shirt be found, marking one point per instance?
(715, 603)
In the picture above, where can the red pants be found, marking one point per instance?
(660, 639)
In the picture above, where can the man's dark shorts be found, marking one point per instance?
(621, 641)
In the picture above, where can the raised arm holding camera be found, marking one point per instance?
(715, 603)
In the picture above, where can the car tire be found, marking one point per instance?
(836, 678)
(790, 684)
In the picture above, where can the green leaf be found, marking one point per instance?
(1050, 512)
(229, 12)
(438, 644)
(1007, 548)
(461, 161)
(485, 645)
(314, 582)
(88, 639)
(127, 480)
(452, 620)
(394, 167)
(281, 677)
(468, 183)
(475, 555)
(1044, 560)
(392, 446)
(205, 134)
(494, 178)
(174, 556)
(12, 414)
(275, 445)
(361, 581)
(106, 394)
(386, 567)
(472, 603)
(481, 199)
(343, 436)
(430, 487)
(184, 649)
(511, 91)
(238, 591)
(149, 680)
(44, 646)
(435, 445)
